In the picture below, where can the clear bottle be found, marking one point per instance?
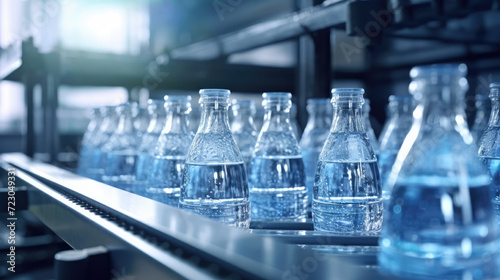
(122, 150)
(313, 139)
(148, 141)
(169, 155)
(368, 127)
(242, 127)
(89, 142)
(483, 111)
(489, 148)
(440, 222)
(347, 193)
(215, 183)
(397, 126)
(97, 160)
(276, 173)
(293, 121)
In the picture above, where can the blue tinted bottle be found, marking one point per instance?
(148, 140)
(214, 183)
(347, 193)
(89, 142)
(277, 176)
(169, 153)
(313, 139)
(397, 126)
(439, 223)
(489, 148)
(243, 129)
(121, 151)
(96, 162)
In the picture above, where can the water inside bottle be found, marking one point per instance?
(346, 197)
(217, 191)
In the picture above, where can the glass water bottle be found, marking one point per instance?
(97, 160)
(277, 177)
(243, 129)
(439, 223)
(489, 148)
(169, 154)
(214, 183)
(483, 111)
(156, 111)
(122, 150)
(314, 137)
(397, 126)
(347, 194)
(368, 127)
(89, 142)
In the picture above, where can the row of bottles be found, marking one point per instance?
(438, 219)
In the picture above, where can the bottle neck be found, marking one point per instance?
(243, 120)
(156, 123)
(176, 122)
(214, 118)
(125, 123)
(277, 118)
(495, 112)
(443, 105)
(320, 119)
(348, 118)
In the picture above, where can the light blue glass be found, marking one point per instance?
(277, 176)
(141, 121)
(368, 127)
(156, 111)
(242, 127)
(122, 150)
(397, 126)
(314, 137)
(89, 142)
(215, 183)
(169, 154)
(489, 148)
(347, 195)
(483, 111)
(97, 158)
(439, 223)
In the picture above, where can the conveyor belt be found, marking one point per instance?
(150, 240)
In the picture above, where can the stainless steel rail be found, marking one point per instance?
(150, 240)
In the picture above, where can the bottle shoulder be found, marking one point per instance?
(489, 143)
(347, 147)
(214, 147)
(277, 143)
(449, 157)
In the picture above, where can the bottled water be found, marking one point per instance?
(277, 177)
(393, 134)
(242, 127)
(314, 137)
(347, 193)
(122, 150)
(96, 159)
(169, 155)
(148, 140)
(489, 149)
(483, 110)
(214, 183)
(368, 127)
(89, 142)
(439, 223)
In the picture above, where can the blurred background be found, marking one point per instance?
(58, 58)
